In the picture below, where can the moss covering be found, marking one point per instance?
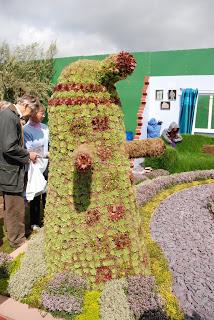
(91, 190)
(12, 268)
(33, 299)
(159, 265)
(32, 268)
(91, 307)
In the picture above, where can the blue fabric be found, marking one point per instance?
(153, 128)
(129, 136)
(35, 138)
(187, 109)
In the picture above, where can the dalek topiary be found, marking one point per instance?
(92, 224)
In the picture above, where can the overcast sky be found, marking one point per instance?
(86, 27)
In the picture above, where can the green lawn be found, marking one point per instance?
(187, 156)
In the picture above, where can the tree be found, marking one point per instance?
(26, 69)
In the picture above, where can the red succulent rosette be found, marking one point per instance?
(116, 212)
(103, 274)
(92, 217)
(100, 123)
(121, 240)
(125, 63)
(83, 162)
(82, 100)
(104, 153)
(78, 126)
(89, 87)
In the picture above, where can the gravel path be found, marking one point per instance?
(184, 228)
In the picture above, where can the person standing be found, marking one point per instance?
(13, 158)
(36, 137)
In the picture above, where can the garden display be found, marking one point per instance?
(95, 258)
(92, 225)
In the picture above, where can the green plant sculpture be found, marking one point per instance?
(92, 224)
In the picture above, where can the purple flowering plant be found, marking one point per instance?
(141, 295)
(62, 303)
(64, 294)
(150, 188)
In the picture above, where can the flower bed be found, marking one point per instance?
(150, 188)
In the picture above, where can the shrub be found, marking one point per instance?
(5, 260)
(7, 268)
(32, 268)
(65, 303)
(34, 297)
(168, 161)
(114, 303)
(91, 307)
(141, 295)
(138, 177)
(157, 314)
(63, 295)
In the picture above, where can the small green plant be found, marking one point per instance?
(33, 267)
(7, 268)
(63, 295)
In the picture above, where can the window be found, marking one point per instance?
(204, 113)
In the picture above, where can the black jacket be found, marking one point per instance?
(13, 156)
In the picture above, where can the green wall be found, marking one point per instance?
(162, 63)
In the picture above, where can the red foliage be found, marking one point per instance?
(116, 212)
(82, 100)
(125, 63)
(103, 274)
(121, 240)
(78, 126)
(93, 216)
(83, 162)
(91, 87)
(104, 153)
(100, 123)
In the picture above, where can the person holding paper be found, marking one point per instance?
(36, 138)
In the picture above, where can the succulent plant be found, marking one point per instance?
(92, 223)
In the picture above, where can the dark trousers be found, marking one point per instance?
(35, 209)
(14, 218)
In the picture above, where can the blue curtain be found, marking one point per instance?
(187, 109)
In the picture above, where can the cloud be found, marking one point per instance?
(30, 34)
(83, 27)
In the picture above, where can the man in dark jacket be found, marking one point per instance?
(13, 158)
